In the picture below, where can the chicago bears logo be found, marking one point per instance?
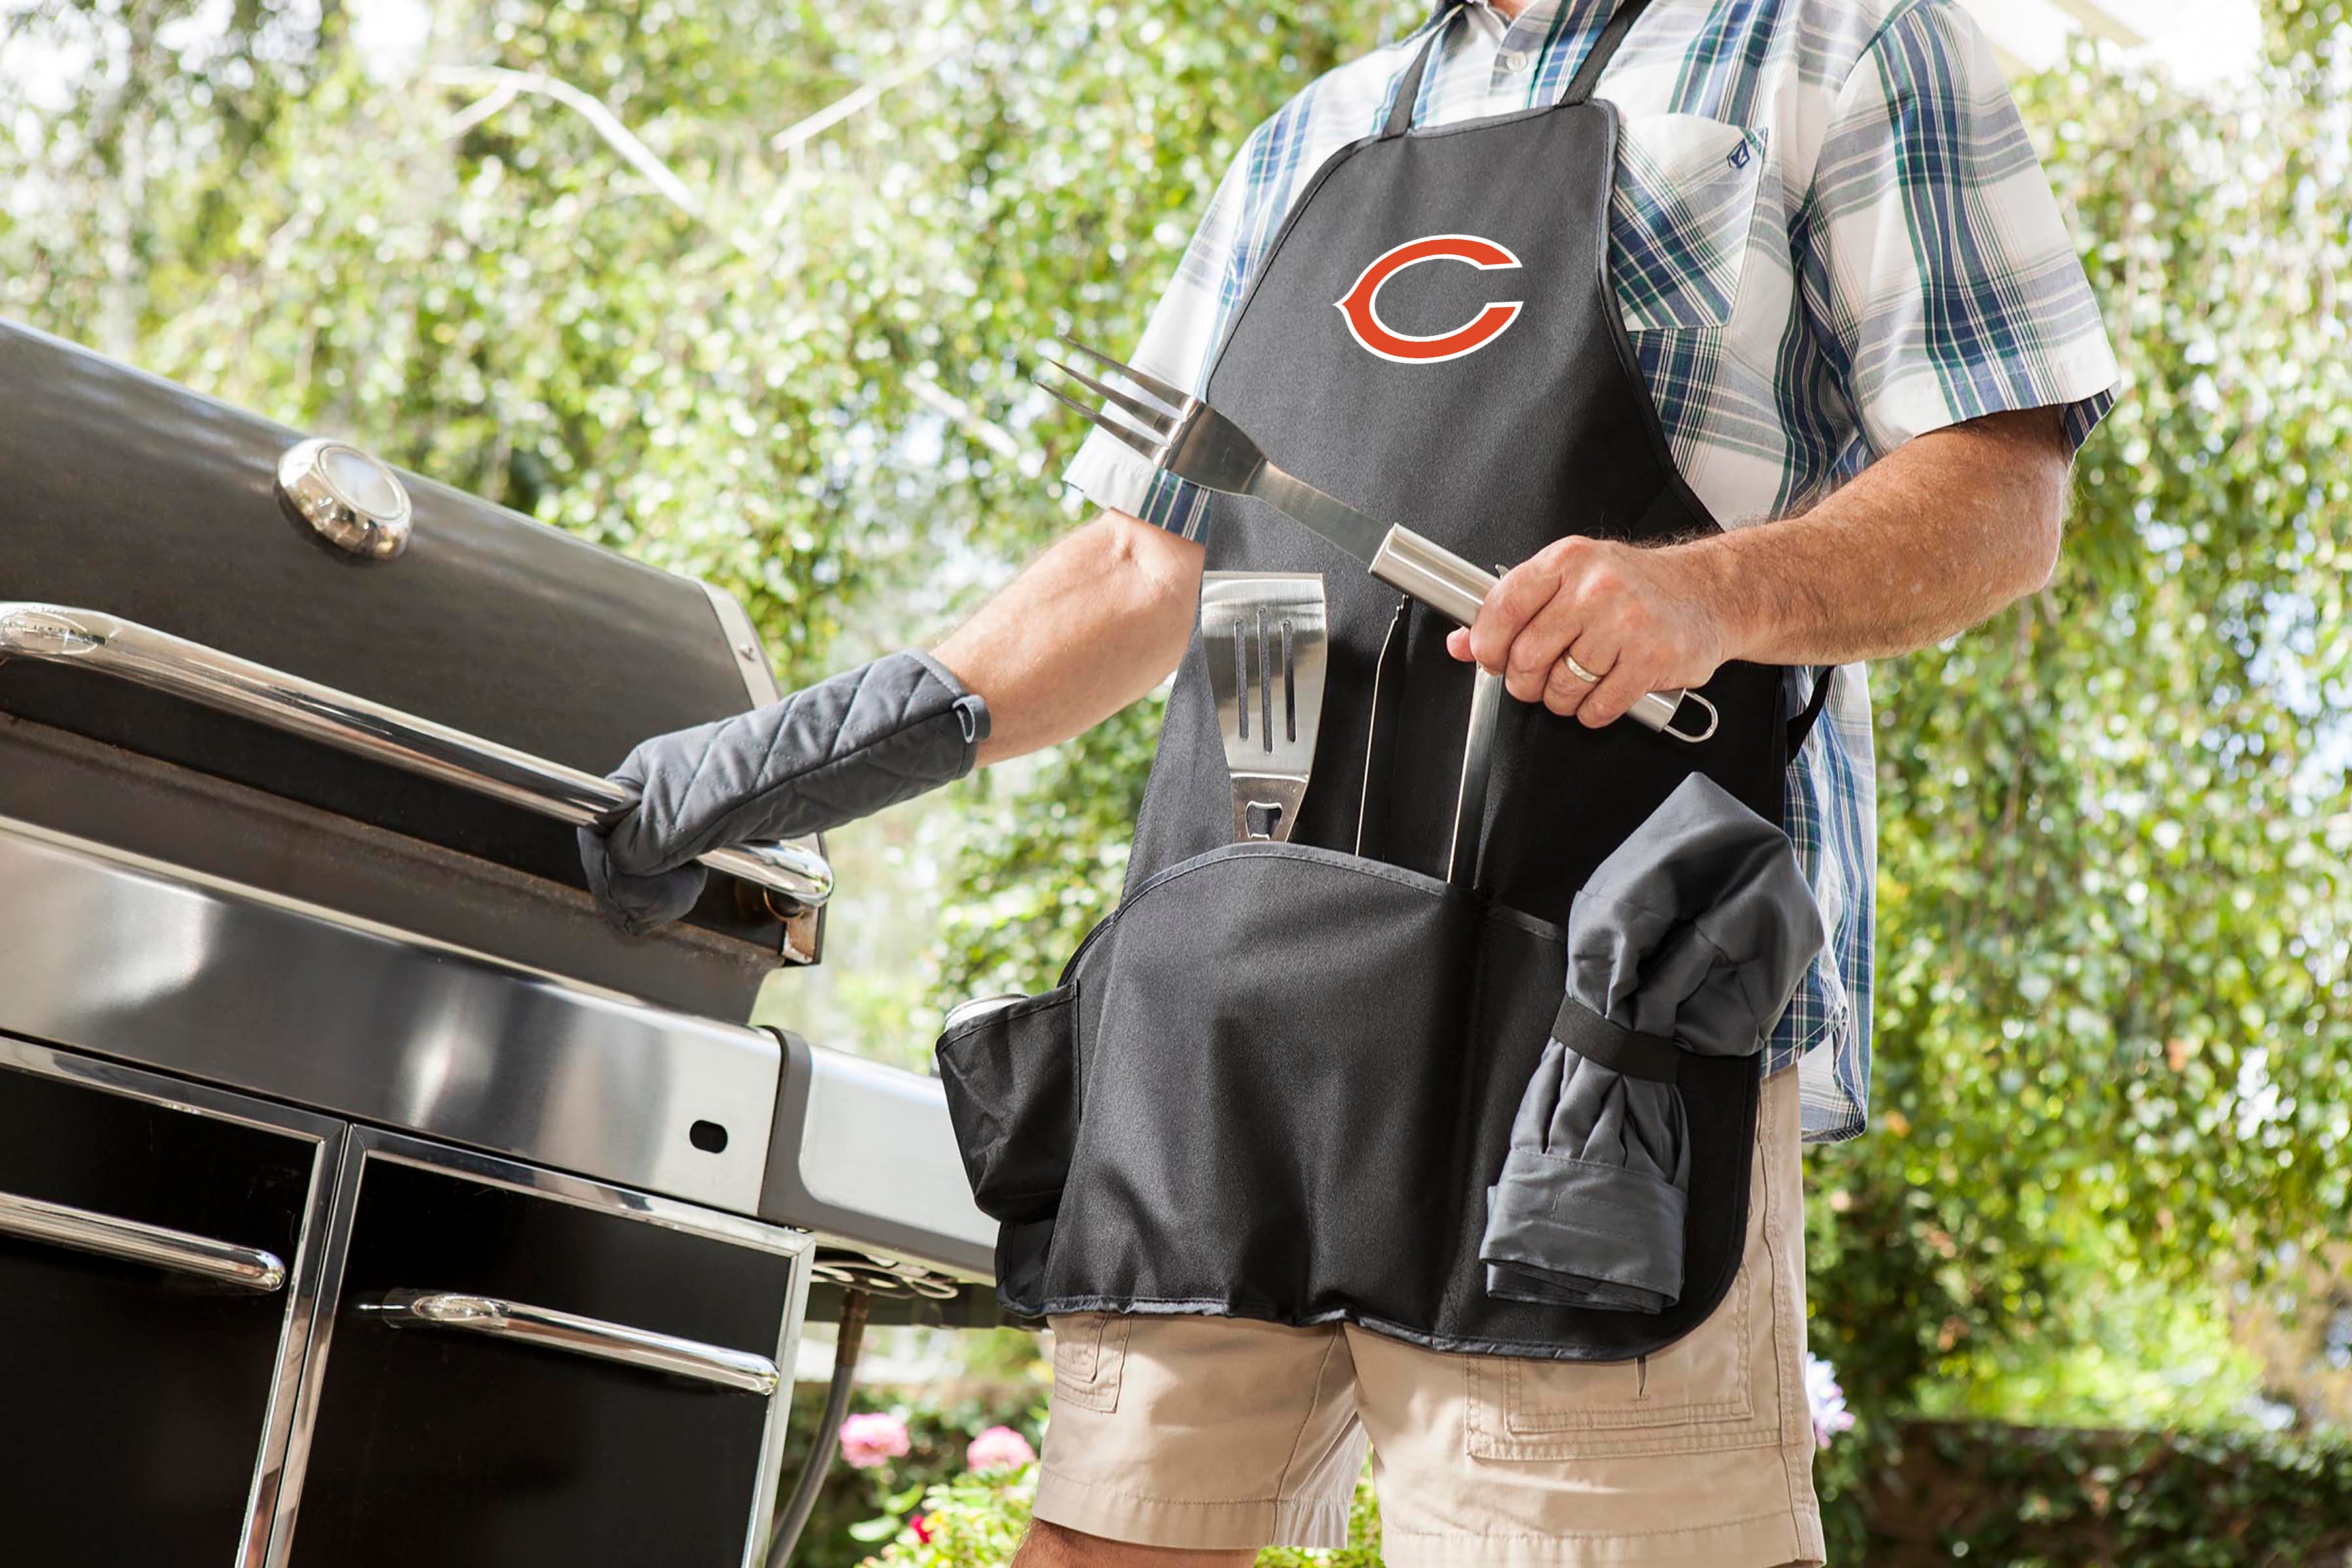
(1360, 305)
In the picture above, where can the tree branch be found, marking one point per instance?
(605, 123)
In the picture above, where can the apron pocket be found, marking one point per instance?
(1010, 1080)
(1278, 1081)
(1296, 1074)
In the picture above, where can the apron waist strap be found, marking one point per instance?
(1803, 724)
(1615, 1047)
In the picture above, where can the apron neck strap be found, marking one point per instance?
(1408, 89)
(1580, 87)
(1604, 49)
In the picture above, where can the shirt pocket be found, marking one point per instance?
(1680, 215)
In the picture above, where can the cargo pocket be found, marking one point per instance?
(1011, 1081)
(1090, 1358)
(1697, 1394)
(1679, 216)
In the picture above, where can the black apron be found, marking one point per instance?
(1277, 1082)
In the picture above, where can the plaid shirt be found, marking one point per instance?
(1828, 234)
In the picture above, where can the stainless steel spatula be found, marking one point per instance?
(1268, 646)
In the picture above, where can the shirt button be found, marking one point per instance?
(1517, 60)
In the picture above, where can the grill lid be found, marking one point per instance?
(194, 583)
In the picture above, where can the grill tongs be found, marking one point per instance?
(1186, 437)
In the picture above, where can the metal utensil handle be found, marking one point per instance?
(739, 1371)
(133, 1241)
(63, 634)
(1416, 564)
(1478, 767)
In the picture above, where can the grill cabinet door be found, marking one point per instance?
(155, 1297)
(439, 1439)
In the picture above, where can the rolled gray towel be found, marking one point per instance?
(1690, 937)
(842, 749)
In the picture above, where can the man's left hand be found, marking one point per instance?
(1637, 620)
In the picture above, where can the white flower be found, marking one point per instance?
(1821, 1392)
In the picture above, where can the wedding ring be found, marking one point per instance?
(1578, 671)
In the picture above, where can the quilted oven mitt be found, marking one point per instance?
(842, 749)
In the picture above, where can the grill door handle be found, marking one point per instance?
(59, 634)
(133, 1241)
(736, 1370)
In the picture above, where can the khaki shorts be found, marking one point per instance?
(1229, 1433)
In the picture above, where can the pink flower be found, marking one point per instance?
(999, 1448)
(872, 1438)
(922, 1527)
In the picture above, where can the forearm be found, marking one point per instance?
(1925, 543)
(1092, 625)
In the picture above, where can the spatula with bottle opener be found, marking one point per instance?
(1267, 644)
(1185, 435)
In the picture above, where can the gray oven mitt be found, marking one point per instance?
(842, 749)
(1694, 931)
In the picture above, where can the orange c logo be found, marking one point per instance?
(1360, 304)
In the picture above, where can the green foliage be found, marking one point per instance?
(1045, 864)
(968, 1519)
(1999, 1496)
(855, 1509)
(977, 1520)
(2006, 1497)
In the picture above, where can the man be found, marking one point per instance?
(1871, 353)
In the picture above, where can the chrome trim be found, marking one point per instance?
(548, 1329)
(770, 1466)
(865, 1156)
(367, 1143)
(743, 642)
(213, 832)
(802, 940)
(60, 634)
(398, 1149)
(131, 1241)
(373, 527)
(278, 1542)
(103, 952)
(317, 1240)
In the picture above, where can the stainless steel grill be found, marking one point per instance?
(499, 1226)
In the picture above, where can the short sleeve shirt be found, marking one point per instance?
(1828, 234)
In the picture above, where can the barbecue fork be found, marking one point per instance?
(1183, 434)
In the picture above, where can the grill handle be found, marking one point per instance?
(131, 1241)
(58, 634)
(737, 1371)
